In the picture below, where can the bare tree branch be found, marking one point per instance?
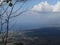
(19, 14)
(19, 8)
(6, 20)
(12, 9)
(5, 10)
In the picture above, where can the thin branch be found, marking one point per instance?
(12, 25)
(19, 8)
(12, 9)
(5, 10)
(3, 23)
(19, 14)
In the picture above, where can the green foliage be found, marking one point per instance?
(8, 1)
(18, 43)
(10, 4)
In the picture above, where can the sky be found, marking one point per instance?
(41, 13)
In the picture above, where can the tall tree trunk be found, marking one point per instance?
(7, 31)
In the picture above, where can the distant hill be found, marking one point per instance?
(44, 32)
(42, 36)
(46, 36)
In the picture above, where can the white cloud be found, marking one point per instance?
(56, 7)
(45, 7)
(1, 1)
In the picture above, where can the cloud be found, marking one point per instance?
(32, 18)
(46, 7)
(1, 1)
(56, 7)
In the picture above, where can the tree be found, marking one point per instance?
(8, 13)
(20, 43)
